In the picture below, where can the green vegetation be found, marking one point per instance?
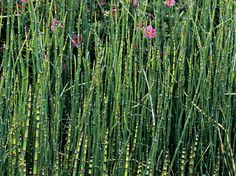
(118, 103)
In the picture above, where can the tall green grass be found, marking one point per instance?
(120, 103)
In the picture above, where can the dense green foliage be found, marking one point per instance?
(120, 103)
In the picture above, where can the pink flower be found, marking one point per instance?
(25, 1)
(55, 23)
(114, 10)
(52, 24)
(52, 27)
(170, 3)
(102, 3)
(136, 3)
(20, 8)
(150, 32)
(75, 40)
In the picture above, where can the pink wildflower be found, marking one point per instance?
(150, 32)
(55, 23)
(20, 8)
(114, 10)
(52, 24)
(102, 3)
(25, 1)
(170, 3)
(136, 3)
(75, 40)
(52, 27)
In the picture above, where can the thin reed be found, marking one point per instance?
(117, 87)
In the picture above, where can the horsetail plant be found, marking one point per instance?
(117, 87)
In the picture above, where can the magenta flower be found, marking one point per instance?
(150, 32)
(136, 3)
(170, 3)
(52, 25)
(75, 40)
(25, 1)
(20, 8)
(114, 10)
(55, 23)
(102, 3)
